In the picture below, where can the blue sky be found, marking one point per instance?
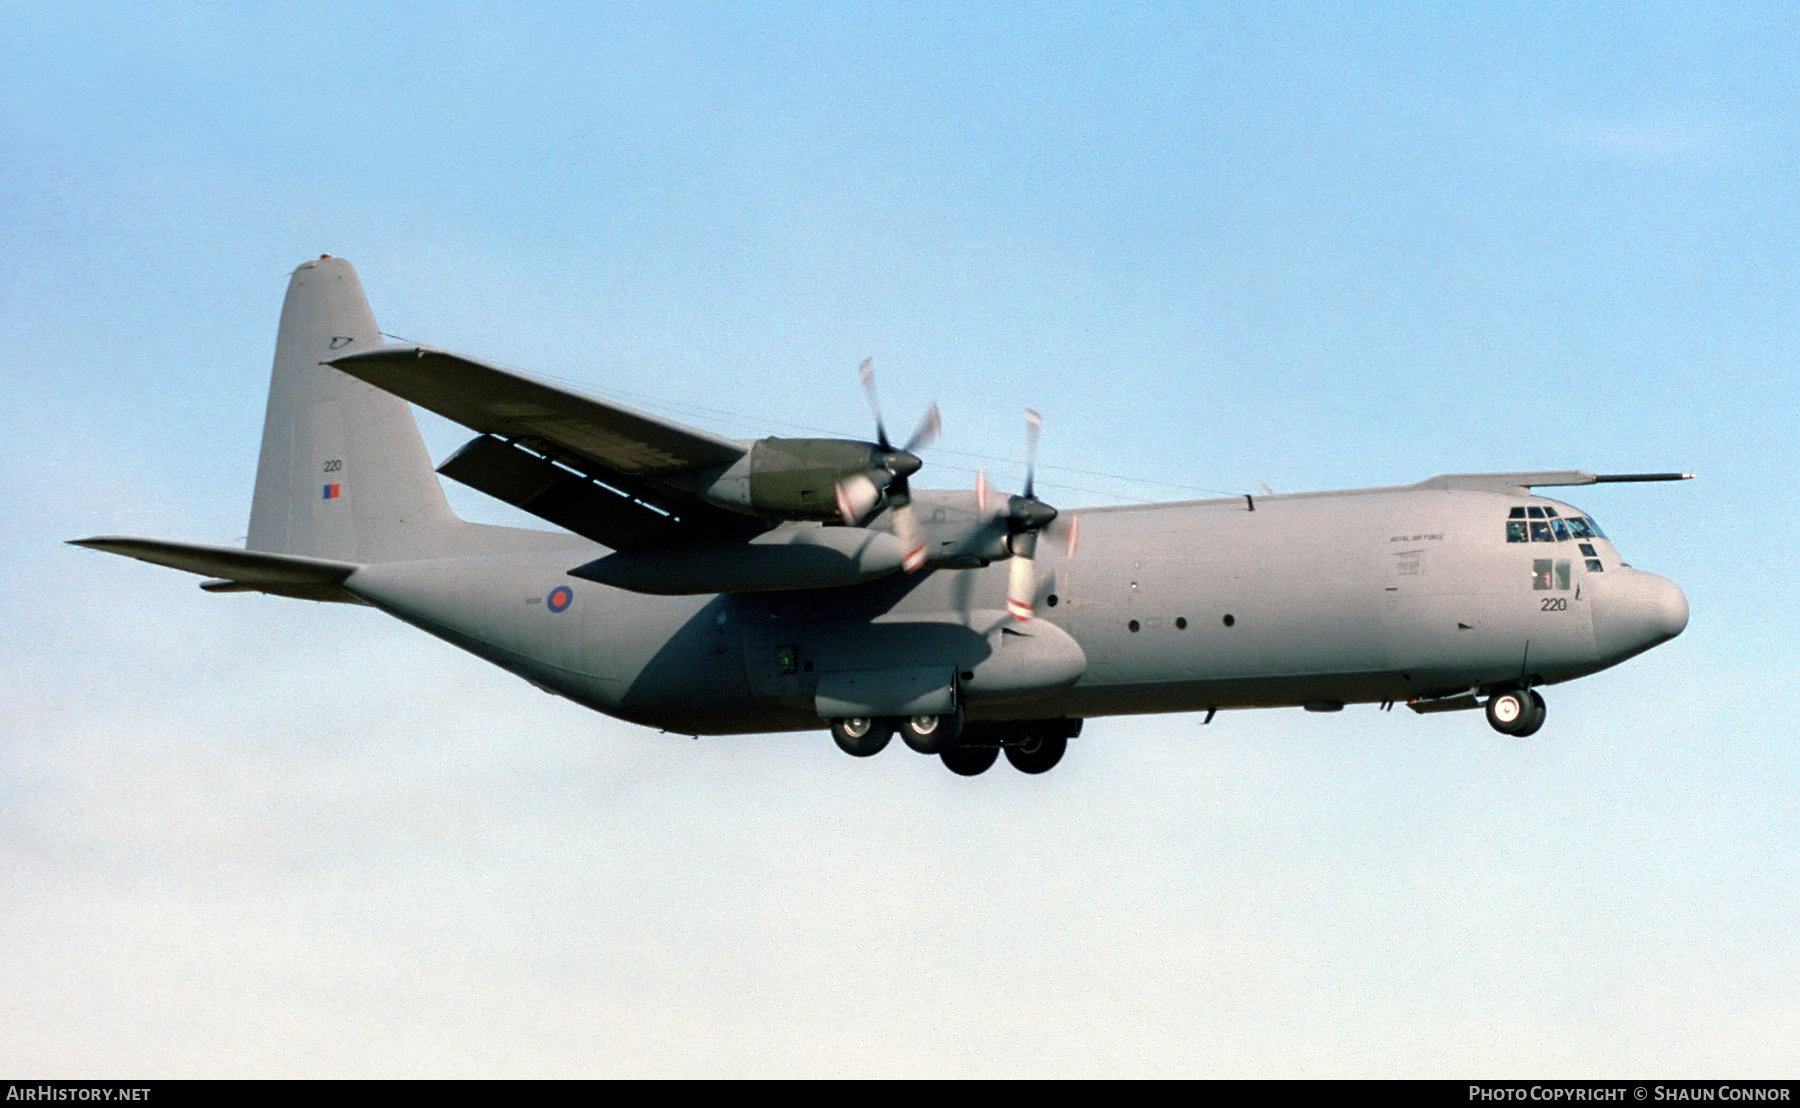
(1271, 245)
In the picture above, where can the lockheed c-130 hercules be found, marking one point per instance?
(708, 586)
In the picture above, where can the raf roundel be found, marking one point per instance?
(560, 598)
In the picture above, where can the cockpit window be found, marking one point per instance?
(1542, 524)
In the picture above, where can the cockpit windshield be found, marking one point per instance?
(1540, 523)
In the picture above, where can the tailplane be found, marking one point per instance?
(343, 475)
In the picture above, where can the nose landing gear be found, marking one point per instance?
(1516, 712)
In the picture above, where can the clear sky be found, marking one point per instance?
(1308, 246)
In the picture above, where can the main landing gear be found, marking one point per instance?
(862, 736)
(1032, 746)
(1516, 712)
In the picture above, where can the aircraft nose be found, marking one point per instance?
(1636, 611)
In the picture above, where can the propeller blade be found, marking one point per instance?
(857, 496)
(1034, 423)
(981, 489)
(927, 432)
(1021, 581)
(910, 534)
(866, 372)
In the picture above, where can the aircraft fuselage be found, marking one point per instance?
(1320, 600)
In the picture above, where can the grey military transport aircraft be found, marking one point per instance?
(707, 586)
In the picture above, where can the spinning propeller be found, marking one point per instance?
(859, 494)
(1025, 517)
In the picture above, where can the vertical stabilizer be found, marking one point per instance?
(343, 474)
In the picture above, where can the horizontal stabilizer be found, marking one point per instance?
(237, 570)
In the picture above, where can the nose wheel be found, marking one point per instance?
(1516, 712)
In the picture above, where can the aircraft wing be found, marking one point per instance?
(514, 406)
(587, 465)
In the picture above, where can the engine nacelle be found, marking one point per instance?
(798, 478)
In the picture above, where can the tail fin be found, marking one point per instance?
(343, 474)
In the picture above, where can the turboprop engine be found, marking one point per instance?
(808, 479)
(817, 479)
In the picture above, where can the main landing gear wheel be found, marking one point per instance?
(1516, 712)
(931, 734)
(968, 761)
(861, 736)
(1037, 752)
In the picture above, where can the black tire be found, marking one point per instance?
(931, 734)
(1509, 711)
(1037, 753)
(862, 737)
(1534, 714)
(968, 761)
